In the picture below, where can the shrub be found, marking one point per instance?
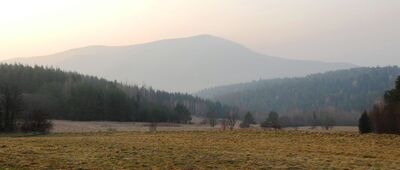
(272, 121)
(36, 121)
(247, 120)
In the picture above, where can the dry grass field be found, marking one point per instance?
(213, 149)
(106, 126)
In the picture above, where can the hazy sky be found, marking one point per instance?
(364, 32)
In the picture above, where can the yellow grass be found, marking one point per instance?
(240, 149)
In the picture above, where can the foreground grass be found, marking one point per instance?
(201, 150)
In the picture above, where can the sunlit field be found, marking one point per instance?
(239, 149)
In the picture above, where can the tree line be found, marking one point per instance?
(13, 115)
(384, 117)
(272, 121)
(340, 94)
(72, 96)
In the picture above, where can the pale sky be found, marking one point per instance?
(363, 32)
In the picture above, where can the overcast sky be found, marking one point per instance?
(363, 32)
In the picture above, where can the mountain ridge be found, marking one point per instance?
(184, 64)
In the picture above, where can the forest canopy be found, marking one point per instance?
(72, 96)
(342, 94)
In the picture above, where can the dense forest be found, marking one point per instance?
(72, 96)
(341, 95)
(384, 117)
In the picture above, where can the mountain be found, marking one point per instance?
(72, 96)
(185, 64)
(338, 93)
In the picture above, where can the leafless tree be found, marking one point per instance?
(223, 124)
(211, 119)
(153, 126)
(231, 118)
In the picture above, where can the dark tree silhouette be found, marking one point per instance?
(364, 123)
(183, 114)
(36, 121)
(272, 121)
(247, 120)
(72, 96)
(11, 104)
(385, 117)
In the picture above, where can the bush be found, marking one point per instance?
(328, 123)
(247, 120)
(272, 121)
(36, 121)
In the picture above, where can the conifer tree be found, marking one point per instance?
(247, 120)
(364, 123)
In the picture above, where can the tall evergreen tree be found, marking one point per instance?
(247, 120)
(364, 123)
(183, 114)
(392, 97)
(11, 102)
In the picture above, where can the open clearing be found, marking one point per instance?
(240, 149)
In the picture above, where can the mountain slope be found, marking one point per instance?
(184, 64)
(342, 92)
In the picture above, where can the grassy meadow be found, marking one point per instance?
(239, 149)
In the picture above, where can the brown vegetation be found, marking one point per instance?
(201, 150)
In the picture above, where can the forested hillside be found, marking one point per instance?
(68, 95)
(342, 95)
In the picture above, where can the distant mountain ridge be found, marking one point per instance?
(183, 64)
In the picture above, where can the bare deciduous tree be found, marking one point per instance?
(211, 119)
(223, 123)
(231, 118)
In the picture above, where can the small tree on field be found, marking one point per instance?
(328, 123)
(272, 121)
(155, 116)
(223, 124)
(364, 123)
(211, 119)
(314, 122)
(231, 119)
(247, 120)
